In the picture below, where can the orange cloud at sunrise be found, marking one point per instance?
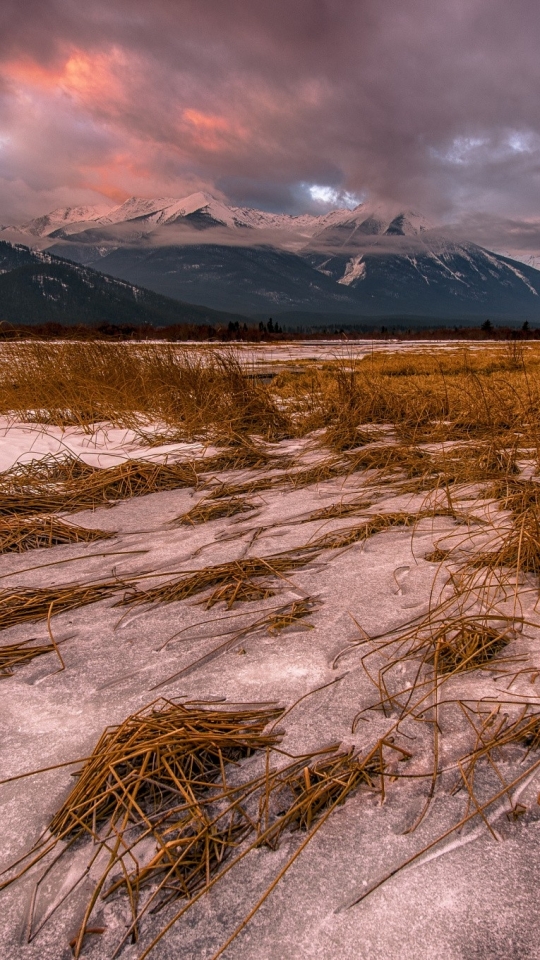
(211, 132)
(89, 77)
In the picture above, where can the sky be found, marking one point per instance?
(290, 105)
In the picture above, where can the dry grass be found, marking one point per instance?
(338, 511)
(14, 654)
(207, 392)
(237, 580)
(69, 485)
(469, 645)
(209, 509)
(29, 604)
(518, 546)
(174, 776)
(376, 523)
(18, 534)
(193, 393)
(324, 470)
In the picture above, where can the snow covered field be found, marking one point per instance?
(472, 894)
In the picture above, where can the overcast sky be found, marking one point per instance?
(290, 105)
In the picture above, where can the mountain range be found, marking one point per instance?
(370, 262)
(37, 288)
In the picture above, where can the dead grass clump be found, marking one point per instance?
(327, 782)
(49, 469)
(476, 463)
(516, 495)
(14, 654)
(307, 792)
(239, 490)
(29, 533)
(209, 509)
(337, 539)
(237, 576)
(158, 752)
(529, 733)
(391, 458)
(202, 392)
(161, 777)
(519, 548)
(468, 645)
(239, 589)
(437, 556)
(133, 478)
(291, 614)
(320, 472)
(235, 458)
(69, 485)
(337, 511)
(519, 551)
(28, 604)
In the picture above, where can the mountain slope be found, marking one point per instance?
(245, 279)
(438, 279)
(40, 288)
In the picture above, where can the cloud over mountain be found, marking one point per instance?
(271, 105)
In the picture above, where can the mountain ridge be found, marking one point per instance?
(373, 260)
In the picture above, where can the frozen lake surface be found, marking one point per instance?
(473, 898)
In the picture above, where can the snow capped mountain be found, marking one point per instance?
(201, 211)
(62, 216)
(373, 260)
(351, 228)
(135, 208)
(198, 210)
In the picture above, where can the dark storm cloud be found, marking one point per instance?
(432, 105)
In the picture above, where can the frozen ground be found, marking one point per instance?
(473, 898)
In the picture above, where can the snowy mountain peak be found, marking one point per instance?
(62, 216)
(407, 224)
(136, 207)
(201, 210)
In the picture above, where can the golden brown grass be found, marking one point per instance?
(14, 654)
(236, 580)
(68, 484)
(18, 534)
(206, 392)
(209, 509)
(30, 604)
(193, 392)
(478, 414)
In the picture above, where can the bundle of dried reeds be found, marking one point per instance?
(469, 644)
(376, 523)
(192, 392)
(76, 486)
(28, 605)
(337, 511)
(14, 654)
(238, 579)
(210, 509)
(320, 785)
(18, 534)
(161, 776)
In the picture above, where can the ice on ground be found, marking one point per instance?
(104, 446)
